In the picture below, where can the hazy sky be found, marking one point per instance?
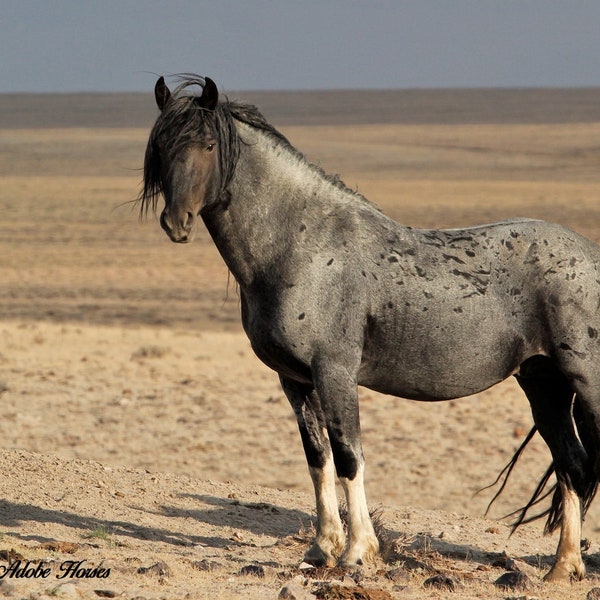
(112, 45)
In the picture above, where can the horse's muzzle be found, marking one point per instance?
(180, 228)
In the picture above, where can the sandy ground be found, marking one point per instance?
(138, 427)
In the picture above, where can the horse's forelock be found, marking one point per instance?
(182, 122)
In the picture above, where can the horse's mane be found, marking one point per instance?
(184, 121)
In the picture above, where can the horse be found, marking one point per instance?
(334, 295)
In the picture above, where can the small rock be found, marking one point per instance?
(57, 546)
(160, 568)
(106, 593)
(6, 588)
(513, 564)
(11, 555)
(441, 582)
(67, 590)
(205, 565)
(328, 589)
(398, 575)
(513, 580)
(294, 590)
(253, 570)
(412, 564)
(593, 594)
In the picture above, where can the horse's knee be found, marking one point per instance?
(346, 458)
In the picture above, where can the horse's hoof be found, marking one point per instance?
(358, 557)
(317, 557)
(564, 573)
(344, 563)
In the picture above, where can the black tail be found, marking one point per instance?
(544, 488)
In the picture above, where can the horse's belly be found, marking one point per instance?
(432, 385)
(442, 367)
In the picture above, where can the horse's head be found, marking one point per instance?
(181, 160)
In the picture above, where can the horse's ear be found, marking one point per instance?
(161, 93)
(210, 94)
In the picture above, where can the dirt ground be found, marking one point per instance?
(139, 432)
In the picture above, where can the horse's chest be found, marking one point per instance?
(272, 343)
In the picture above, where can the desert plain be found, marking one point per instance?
(138, 432)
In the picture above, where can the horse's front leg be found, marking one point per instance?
(330, 539)
(337, 389)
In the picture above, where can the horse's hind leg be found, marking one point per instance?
(330, 538)
(551, 397)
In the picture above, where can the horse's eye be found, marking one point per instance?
(210, 147)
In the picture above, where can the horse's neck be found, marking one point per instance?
(270, 193)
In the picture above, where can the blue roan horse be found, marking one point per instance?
(335, 294)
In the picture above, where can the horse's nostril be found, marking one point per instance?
(188, 221)
(163, 222)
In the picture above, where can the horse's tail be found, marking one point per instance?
(544, 489)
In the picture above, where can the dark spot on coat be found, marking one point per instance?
(303, 227)
(509, 245)
(390, 305)
(420, 272)
(392, 259)
(565, 346)
(515, 292)
(462, 238)
(301, 316)
(479, 283)
(592, 332)
(458, 309)
(449, 257)
(330, 262)
(470, 253)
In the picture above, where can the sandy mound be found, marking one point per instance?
(157, 535)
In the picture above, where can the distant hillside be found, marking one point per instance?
(454, 106)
